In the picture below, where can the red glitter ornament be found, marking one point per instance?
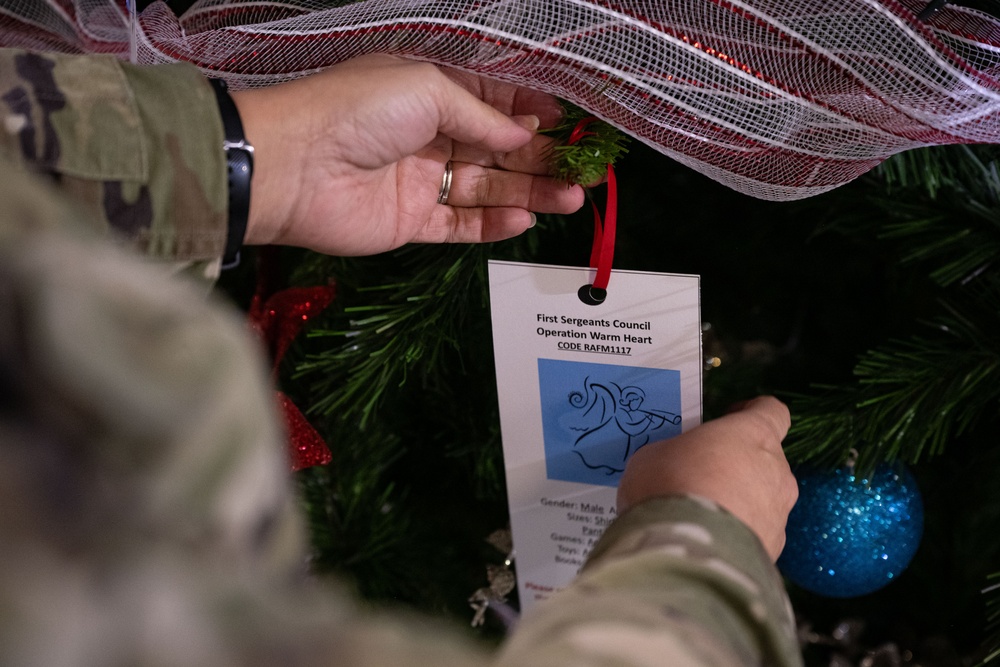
(305, 445)
(278, 319)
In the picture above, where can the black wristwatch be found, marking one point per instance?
(239, 157)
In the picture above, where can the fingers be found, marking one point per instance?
(475, 225)
(736, 460)
(544, 106)
(532, 158)
(467, 119)
(770, 414)
(510, 99)
(486, 205)
(475, 186)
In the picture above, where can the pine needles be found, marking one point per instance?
(377, 370)
(586, 160)
(913, 395)
(957, 232)
(378, 342)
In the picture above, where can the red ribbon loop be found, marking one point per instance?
(603, 250)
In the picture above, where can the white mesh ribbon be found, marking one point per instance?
(779, 99)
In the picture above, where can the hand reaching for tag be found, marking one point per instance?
(735, 460)
(352, 160)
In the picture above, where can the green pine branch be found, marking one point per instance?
(950, 228)
(389, 329)
(936, 212)
(941, 210)
(911, 396)
(943, 170)
(360, 523)
(958, 252)
(585, 161)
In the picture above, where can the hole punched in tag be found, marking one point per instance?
(592, 296)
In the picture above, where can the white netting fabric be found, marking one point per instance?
(779, 99)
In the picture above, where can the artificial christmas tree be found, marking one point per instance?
(795, 295)
(873, 308)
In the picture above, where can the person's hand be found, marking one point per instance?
(350, 161)
(735, 460)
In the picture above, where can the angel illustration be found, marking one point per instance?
(613, 424)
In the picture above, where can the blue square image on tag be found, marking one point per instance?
(595, 416)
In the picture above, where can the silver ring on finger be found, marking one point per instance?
(445, 184)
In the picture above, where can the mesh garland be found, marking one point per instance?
(778, 99)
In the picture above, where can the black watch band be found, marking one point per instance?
(239, 159)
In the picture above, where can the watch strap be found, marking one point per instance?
(239, 162)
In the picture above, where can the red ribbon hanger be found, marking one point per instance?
(603, 250)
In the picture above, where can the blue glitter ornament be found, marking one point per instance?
(848, 536)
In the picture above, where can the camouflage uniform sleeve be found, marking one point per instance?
(138, 147)
(146, 510)
(674, 581)
(147, 516)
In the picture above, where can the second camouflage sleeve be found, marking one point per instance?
(673, 581)
(139, 147)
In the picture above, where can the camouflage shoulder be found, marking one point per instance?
(161, 390)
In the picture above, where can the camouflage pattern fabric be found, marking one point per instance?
(673, 581)
(144, 505)
(137, 147)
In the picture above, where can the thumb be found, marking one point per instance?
(467, 119)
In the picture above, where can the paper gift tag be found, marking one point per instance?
(581, 388)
